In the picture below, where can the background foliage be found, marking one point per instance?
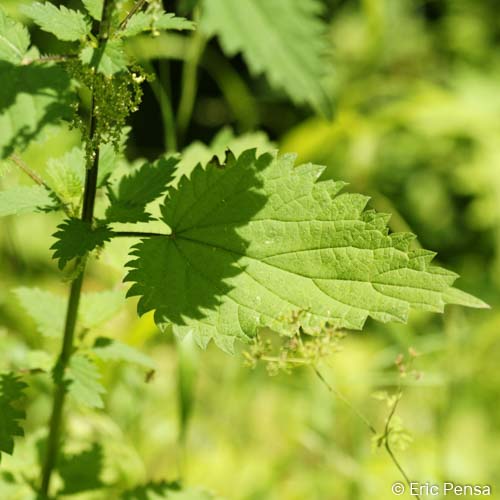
(413, 88)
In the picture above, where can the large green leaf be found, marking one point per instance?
(198, 152)
(260, 239)
(282, 38)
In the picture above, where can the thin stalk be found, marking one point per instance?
(166, 107)
(387, 429)
(38, 180)
(189, 83)
(161, 90)
(89, 194)
(137, 234)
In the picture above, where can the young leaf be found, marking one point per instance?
(23, 199)
(111, 349)
(82, 471)
(138, 189)
(283, 39)
(99, 307)
(76, 238)
(259, 240)
(66, 24)
(108, 59)
(14, 39)
(94, 8)
(47, 309)
(67, 174)
(11, 391)
(153, 21)
(83, 379)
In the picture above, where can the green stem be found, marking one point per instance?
(53, 440)
(161, 90)
(89, 194)
(189, 83)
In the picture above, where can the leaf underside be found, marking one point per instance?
(259, 240)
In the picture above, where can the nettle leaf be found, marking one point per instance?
(155, 21)
(94, 8)
(14, 39)
(67, 174)
(66, 24)
(82, 471)
(283, 39)
(198, 152)
(25, 199)
(110, 349)
(76, 238)
(138, 189)
(47, 309)
(108, 59)
(99, 307)
(259, 240)
(84, 381)
(11, 392)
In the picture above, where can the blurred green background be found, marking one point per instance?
(415, 87)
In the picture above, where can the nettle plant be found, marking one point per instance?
(243, 243)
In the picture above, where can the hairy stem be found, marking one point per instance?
(53, 440)
(89, 194)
